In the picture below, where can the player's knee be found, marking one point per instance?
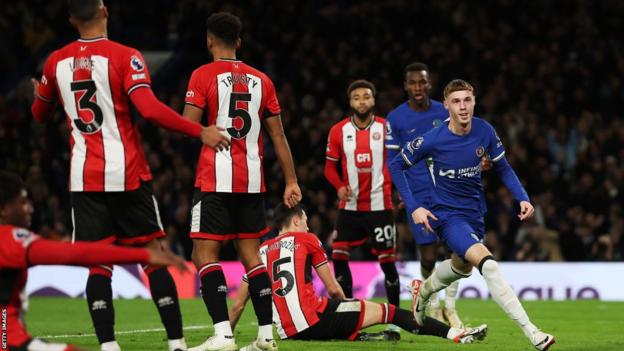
(428, 263)
(488, 266)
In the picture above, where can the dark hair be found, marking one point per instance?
(457, 85)
(84, 10)
(11, 185)
(361, 83)
(225, 26)
(282, 214)
(416, 66)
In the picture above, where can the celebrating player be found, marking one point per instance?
(229, 196)
(356, 146)
(411, 119)
(110, 181)
(457, 209)
(299, 313)
(21, 248)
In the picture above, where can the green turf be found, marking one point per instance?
(577, 325)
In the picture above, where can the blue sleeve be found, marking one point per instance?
(392, 141)
(510, 179)
(413, 152)
(495, 148)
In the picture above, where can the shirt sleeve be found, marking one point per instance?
(47, 84)
(196, 94)
(135, 72)
(317, 251)
(14, 247)
(393, 142)
(334, 145)
(271, 106)
(495, 149)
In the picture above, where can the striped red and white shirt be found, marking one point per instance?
(93, 79)
(362, 157)
(236, 97)
(289, 259)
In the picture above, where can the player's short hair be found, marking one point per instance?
(11, 186)
(282, 214)
(361, 83)
(457, 85)
(225, 26)
(415, 66)
(84, 10)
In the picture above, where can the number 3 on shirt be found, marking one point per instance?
(85, 103)
(241, 120)
(278, 274)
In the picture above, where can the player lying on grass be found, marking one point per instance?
(299, 313)
(21, 248)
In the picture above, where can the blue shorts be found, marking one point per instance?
(458, 232)
(421, 235)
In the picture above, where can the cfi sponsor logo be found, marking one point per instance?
(136, 63)
(480, 151)
(376, 136)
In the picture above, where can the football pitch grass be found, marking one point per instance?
(577, 325)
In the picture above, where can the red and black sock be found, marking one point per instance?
(260, 293)
(391, 282)
(165, 297)
(214, 291)
(100, 299)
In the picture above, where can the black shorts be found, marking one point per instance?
(128, 217)
(340, 320)
(355, 228)
(223, 216)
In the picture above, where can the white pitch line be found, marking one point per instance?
(137, 331)
(122, 332)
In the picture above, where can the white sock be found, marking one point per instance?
(505, 297)
(451, 294)
(442, 277)
(110, 346)
(265, 332)
(39, 345)
(177, 344)
(223, 329)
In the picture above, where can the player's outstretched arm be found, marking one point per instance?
(49, 252)
(511, 181)
(239, 302)
(215, 137)
(331, 284)
(292, 193)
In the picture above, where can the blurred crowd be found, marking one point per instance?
(548, 76)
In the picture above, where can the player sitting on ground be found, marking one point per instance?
(21, 248)
(299, 313)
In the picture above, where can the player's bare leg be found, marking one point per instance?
(260, 293)
(214, 291)
(480, 257)
(165, 297)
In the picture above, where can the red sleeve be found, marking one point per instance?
(155, 111)
(135, 73)
(13, 245)
(43, 251)
(316, 250)
(332, 158)
(196, 93)
(271, 104)
(43, 105)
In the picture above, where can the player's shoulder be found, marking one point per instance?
(397, 112)
(337, 127)
(379, 119)
(482, 124)
(17, 234)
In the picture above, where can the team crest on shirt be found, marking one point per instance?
(376, 136)
(480, 151)
(437, 123)
(136, 63)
